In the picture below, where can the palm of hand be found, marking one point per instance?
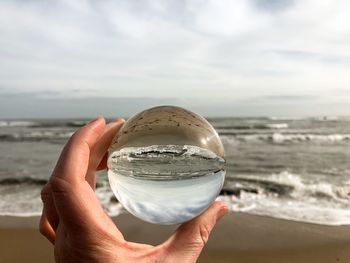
(74, 221)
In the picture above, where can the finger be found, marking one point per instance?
(74, 199)
(74, 160)
(103, 163)
(81, 212)
(69, 173)
(46, 229)
(49, 218)
(186, 244)
(100, 149)
(49, 209)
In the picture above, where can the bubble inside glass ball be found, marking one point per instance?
(166, 165)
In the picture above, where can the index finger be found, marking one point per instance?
(74, 160)
(74, 199)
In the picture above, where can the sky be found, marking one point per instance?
(77, 59)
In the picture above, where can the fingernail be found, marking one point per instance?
(119, 120)
(223, 210)
(116, 122)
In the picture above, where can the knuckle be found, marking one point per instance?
(76, 134)
(76, 139)
(59, 186)
(200, 237)
(45, 192)
(83, 135)
(204, 231)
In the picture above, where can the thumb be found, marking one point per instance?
(186, 244)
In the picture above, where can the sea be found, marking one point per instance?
(289, 168)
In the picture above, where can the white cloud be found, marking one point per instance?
(211, 50)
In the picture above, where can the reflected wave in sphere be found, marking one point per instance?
(166, 165)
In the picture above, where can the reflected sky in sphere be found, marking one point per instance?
(166, 165)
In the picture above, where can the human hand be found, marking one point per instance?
(81, 231)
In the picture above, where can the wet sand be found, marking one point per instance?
(237, 238)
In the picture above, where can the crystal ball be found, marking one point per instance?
(166, 165)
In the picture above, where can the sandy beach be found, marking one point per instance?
(237, 238)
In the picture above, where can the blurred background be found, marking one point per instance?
(273, 77)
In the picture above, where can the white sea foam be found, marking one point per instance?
(36, 135)
(28, 202)
(285, 118)
(318, 202)
(277, 125)
(287, 137)
(16, 123)
(281, 138)
(3, 124)
(290, 210)
(288, 196)
(47, 135)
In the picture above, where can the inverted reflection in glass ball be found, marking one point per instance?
(166, 165)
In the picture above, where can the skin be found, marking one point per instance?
(80, 230)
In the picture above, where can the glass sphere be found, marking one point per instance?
(166, 165)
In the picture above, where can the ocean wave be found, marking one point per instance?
(277, 126)
(36, 136)
(280, 138)
(43, 123)
(317, 118)
(21, 197)
(296, 210)
(289, 185)
(76, 123)
(17, 123)
(283, 195)
(22, 181)
(275, 118)
(288, 196)
(267, 126)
